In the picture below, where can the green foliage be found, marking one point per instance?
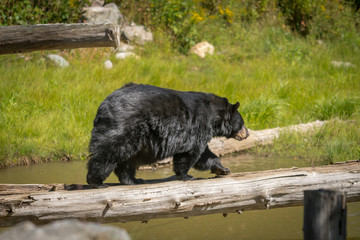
(298, 14)
(174, 17)
(180, 18)
(15, 12)
(184, 21)
(333, 20)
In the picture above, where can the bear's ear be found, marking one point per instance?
(235, 107)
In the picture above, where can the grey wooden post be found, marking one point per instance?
(324, 215)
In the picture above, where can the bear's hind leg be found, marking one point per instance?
(126, 174)
(98, 171)
(182, 164)
(209, 161)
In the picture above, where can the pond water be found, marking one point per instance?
(281, 223)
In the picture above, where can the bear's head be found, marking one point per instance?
(228, 121)
(238, 129)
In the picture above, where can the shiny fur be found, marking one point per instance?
(141, 124)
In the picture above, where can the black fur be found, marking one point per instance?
(141, 124)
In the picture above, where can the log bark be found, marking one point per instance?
(167, 198)
(20, 39)
(221, 146)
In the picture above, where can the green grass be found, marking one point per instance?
(46, 113)
(336, 141)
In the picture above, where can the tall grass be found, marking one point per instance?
(46, 112)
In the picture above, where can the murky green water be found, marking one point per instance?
(282, 223)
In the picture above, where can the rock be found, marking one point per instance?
(108, 64)
(58, 60)
(342, 64)
(125, 48)
(123, 55)
(109, 13)
(65, 229)
(202, 49)
(137, 33)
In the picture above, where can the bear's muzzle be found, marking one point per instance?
(242, 134)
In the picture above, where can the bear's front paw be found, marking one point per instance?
(140, 181)
(221, 171)
(185, 177)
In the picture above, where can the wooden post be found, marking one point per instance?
(324, 215)
(19, 39)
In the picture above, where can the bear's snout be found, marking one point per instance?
(242, 134)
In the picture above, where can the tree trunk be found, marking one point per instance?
(19, 39)
(167, 198)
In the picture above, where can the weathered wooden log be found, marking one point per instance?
(221, 146)
(19, 39)
(166, 198)
(324, 215)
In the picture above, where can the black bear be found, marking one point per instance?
(141, 124)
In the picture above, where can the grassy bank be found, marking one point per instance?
(46, 112)
(336, 141)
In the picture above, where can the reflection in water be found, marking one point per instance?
(282, 223)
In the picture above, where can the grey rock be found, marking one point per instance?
(64, 229)
(109, 13)
(123, 55)
(125, 47)
(137, 33)
(58, 60)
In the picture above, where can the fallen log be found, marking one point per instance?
(165, 198)
(221, 146)
(20, 39)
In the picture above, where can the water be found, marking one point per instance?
(281, 223)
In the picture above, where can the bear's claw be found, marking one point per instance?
(221, 171)
(185, 177)
(98, 185)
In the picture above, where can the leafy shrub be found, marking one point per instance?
(179, 18)
(175, 18)
(298, 14)
(333, 19)
(13, 12)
